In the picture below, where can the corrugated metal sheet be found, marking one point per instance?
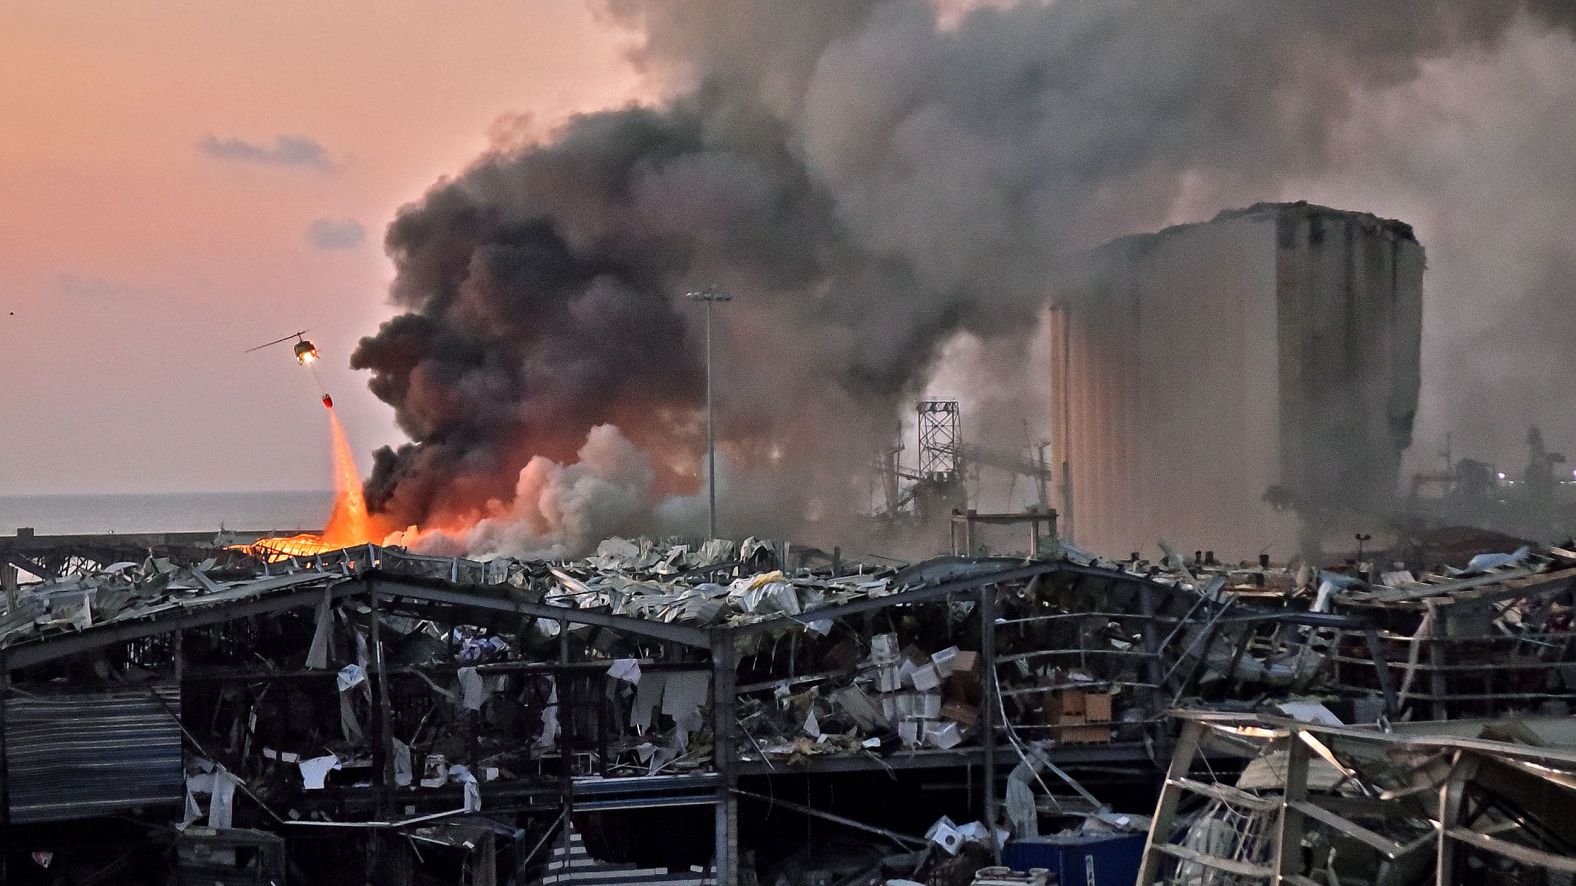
(579, 868)
(79, 754)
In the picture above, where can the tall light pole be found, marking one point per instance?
(709, 295)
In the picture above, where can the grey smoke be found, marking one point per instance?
(284, 150)
(1472, 153)
(870, 184)
(335, 233)
(557, 510)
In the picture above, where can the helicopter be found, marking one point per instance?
(305, 353)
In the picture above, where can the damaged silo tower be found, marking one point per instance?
(1215, 381)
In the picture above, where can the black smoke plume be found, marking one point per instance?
(870, 178)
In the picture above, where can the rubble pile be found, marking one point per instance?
(472, 704)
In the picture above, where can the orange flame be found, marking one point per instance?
(348, 522)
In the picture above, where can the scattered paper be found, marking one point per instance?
(1310, 712)
(685, 692)
(472, 691)
(549, 736)
(945, 834)
(403, 774)
(351, 676)
(1485, 562)
(315, 770)
(473, 791)
(221, 812)
(626, 669)
(648, 697)
(193, 811)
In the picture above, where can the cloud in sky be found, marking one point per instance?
(335, 233)
(286, 150)
(87, 287)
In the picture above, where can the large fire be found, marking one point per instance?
(348, 522)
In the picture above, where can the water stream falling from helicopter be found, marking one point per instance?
(348, 522)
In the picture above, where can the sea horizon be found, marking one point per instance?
(127, 512)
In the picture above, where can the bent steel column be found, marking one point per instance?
(725, 758)
(988, 712)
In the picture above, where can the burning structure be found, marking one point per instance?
(1238, 378)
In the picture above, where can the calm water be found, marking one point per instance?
(164, 512)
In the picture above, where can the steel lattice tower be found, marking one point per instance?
(940, 440)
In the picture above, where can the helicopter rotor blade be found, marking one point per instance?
(277, 341)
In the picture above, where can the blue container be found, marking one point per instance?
(1080, 859)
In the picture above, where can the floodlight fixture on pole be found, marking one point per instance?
(709, 295)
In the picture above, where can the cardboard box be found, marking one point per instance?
(1077, 706)
(964, 715)
(964, 686)
(1085, 734)
(1097, 707)
(883, 648)
(925, 678)
(887, 679)
(1064, 706)
(912, 731)
(943, 735)
(943, 660)
(905, 704)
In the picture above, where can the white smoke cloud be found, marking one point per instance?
(558, 510)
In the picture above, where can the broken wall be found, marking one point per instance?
(1349, 313)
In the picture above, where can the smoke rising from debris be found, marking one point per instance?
(871, 180)
(557, 510)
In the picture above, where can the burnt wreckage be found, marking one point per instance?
(668, 713)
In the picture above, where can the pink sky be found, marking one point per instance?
(154, 224)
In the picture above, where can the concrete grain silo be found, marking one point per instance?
(1235, 384)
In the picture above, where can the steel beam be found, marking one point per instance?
(905, 840)
(988, 706)
(31, 566)
(725, 757)
(48, 649)
(482, 597)
(916, 595)
(1288, 830)
(1451, 795)
(1170, 796)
